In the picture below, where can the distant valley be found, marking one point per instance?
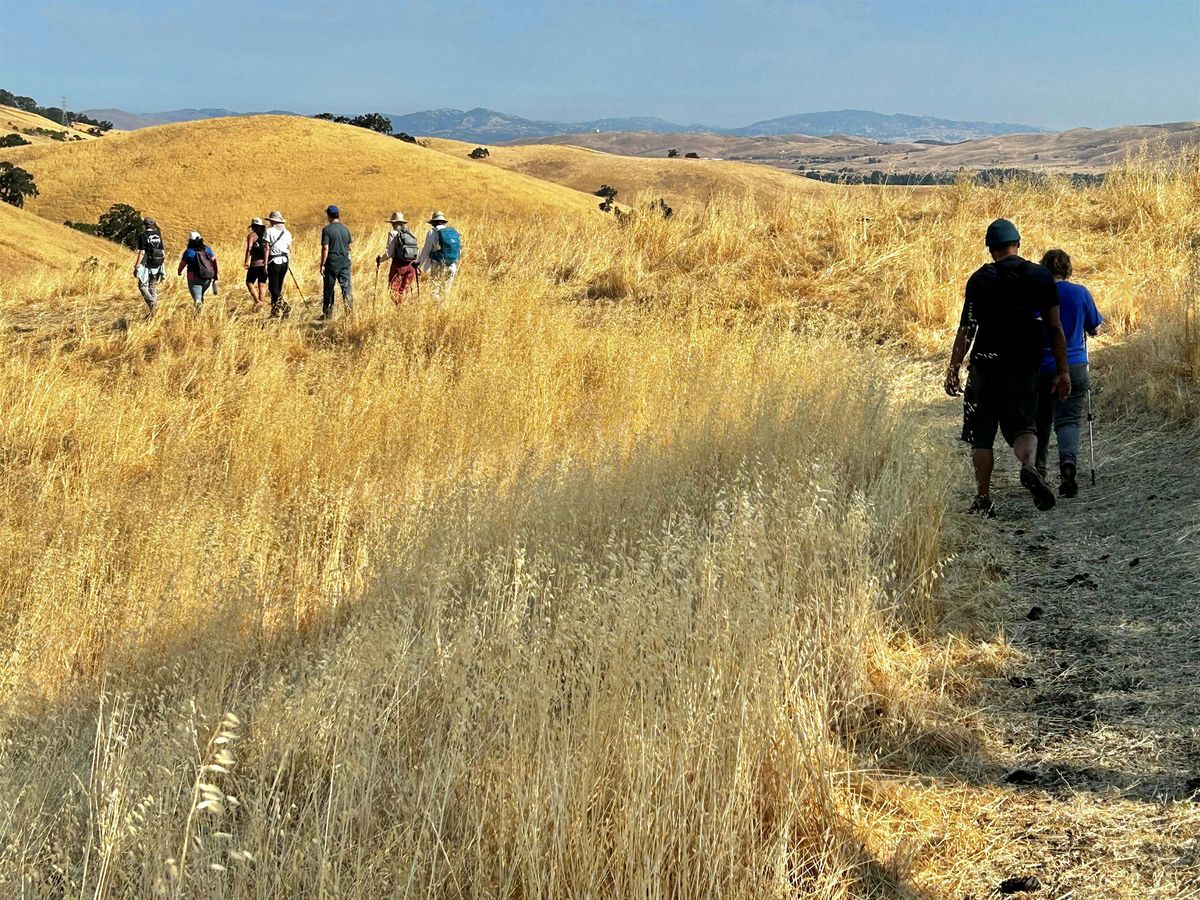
(1080, 150)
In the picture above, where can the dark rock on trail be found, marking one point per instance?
(1020, 885)
(1034, 614)
(1022, 776)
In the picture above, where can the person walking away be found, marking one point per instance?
(201, 265)
(255, 262)
(440, 255)
(335, 262)
(148, 265)
(1010, 310)
(402, 251)
(1080, 318)
(279, 247)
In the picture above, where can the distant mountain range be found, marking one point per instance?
(490, 126)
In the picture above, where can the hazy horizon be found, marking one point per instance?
(1068, 64)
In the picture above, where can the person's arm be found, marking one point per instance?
(216, 265)
(1092, 318)
(249, 242)
(427, 249)
(182, 263)
(324, 256)
(387, 250)
(137, 261)
(1058, 346)
(958, 352)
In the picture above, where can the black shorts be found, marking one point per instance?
(256, 275)
(1001, 400)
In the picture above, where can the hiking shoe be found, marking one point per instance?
(1043, 497)
(1067, 485)
(982, 507)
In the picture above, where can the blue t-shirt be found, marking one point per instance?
(1079, 317)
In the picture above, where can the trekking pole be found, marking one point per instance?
(1091, 436)
(297, 284)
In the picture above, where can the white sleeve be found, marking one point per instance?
(430, 244)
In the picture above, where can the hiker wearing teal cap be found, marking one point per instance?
(335, 261)
(1010, 311)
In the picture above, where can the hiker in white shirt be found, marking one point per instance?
(439, 257)
(279, 249)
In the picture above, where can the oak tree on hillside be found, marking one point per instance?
(374, 122)
(122, 224)
(16, 184)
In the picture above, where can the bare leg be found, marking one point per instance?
(983, 461)
(1025, 448)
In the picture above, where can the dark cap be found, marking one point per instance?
(332, 211)
(1002, 232)
(148, 221)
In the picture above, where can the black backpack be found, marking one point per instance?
(407, 251)
(205, 270)
(154, 253)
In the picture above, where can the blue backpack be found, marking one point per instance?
(449, 247)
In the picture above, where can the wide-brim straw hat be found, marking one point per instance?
(438, 216)
(276, 216)
(256, 221)
(398, 217)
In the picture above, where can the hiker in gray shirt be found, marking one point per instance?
(335, 262)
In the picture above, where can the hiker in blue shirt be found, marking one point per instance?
(201, 265)
(1080, 318)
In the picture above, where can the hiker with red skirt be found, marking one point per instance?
(402, 250)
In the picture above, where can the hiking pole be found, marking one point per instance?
(297, 284)
(1091, 436)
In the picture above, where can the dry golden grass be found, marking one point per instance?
(616, 576)
(31, 246)
(217, 174)
(676, 180)
(23, 123)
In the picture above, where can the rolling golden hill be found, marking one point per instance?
(27, 242)
(215, 175)
(673, 179)
(24, 123)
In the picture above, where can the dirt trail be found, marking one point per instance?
(1099, 757)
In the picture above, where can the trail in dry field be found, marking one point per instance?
(1099, 757)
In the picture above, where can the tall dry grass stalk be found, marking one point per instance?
(604, 579)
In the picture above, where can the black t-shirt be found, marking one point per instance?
(1007, 304)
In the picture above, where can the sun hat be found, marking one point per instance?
(1002, 232)
(332, 210)
(398, 216)
(276, 216)
(256, 221)
(194, 236)
(438, 216)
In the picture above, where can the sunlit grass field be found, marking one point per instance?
(617, 575)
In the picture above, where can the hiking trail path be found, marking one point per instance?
(1098, 723)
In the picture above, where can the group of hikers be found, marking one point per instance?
(1027, 327)
(268, 250)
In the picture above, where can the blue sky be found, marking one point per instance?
(1051, 64)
